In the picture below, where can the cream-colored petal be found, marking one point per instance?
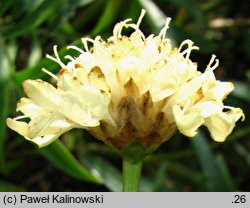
(129, 67)
(182, 96)
(187, 123)
(78, 112)
(86, 60)
(43, 141)
(42, 93)
(19, 126)
(220, 125)
(97, 79)
(88, 97)
(39, 124)
(47, 123)
(160, 94)
(58, 124)
(208, 108)
(55, 126)
(96, 102)
(188, 89)
(29, 108)
(150, 52)
(216, 90)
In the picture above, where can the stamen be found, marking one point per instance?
(186, 106)
(136, 28)
(189, 49)
(20, 117)
(90, 40)
(69, 57)
(57, 59)
(118, 28)
(75, 48)
(188, 42)
(56, 54)
(49, 73)
(98, 39)
(163, 31)
(228, 107)
(143, 12)
(85, 44)
(216, 64)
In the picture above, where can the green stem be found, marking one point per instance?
(131, 174)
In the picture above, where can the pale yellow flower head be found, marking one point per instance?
(125, 89)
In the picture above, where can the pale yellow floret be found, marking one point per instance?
(127, 88)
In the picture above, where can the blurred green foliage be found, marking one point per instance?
(30, 28)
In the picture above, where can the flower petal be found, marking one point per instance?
(86, 97)
(55, 127)
(78, 112)
(220, 125)
(38, 125)
(19, 126)
(216, 90)
(29, 108)
(42, 131)
(208, 108)
(43, 141)
(188, 89)
(42, 93)
(187, 123)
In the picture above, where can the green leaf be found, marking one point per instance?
(241, 90)
(192, 9)
(239, 134)
(67, 10)
(160, 178)
(109, 174)
(180, 33)
(86, 18)
(246, 44)
(146, 185)
(8, 187)
(59, 155)
(85, 2)
(11, 166)
(108, 16)
(35, 53)
(6, 67)
(133, 10)
(211, 5)
(33, 19)
(156, 16)
(4, 6)
(243, 152)
(211, 171)
(227, 180)
(184, 173)
(174, 155)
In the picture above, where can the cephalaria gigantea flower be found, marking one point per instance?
(125, 89)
